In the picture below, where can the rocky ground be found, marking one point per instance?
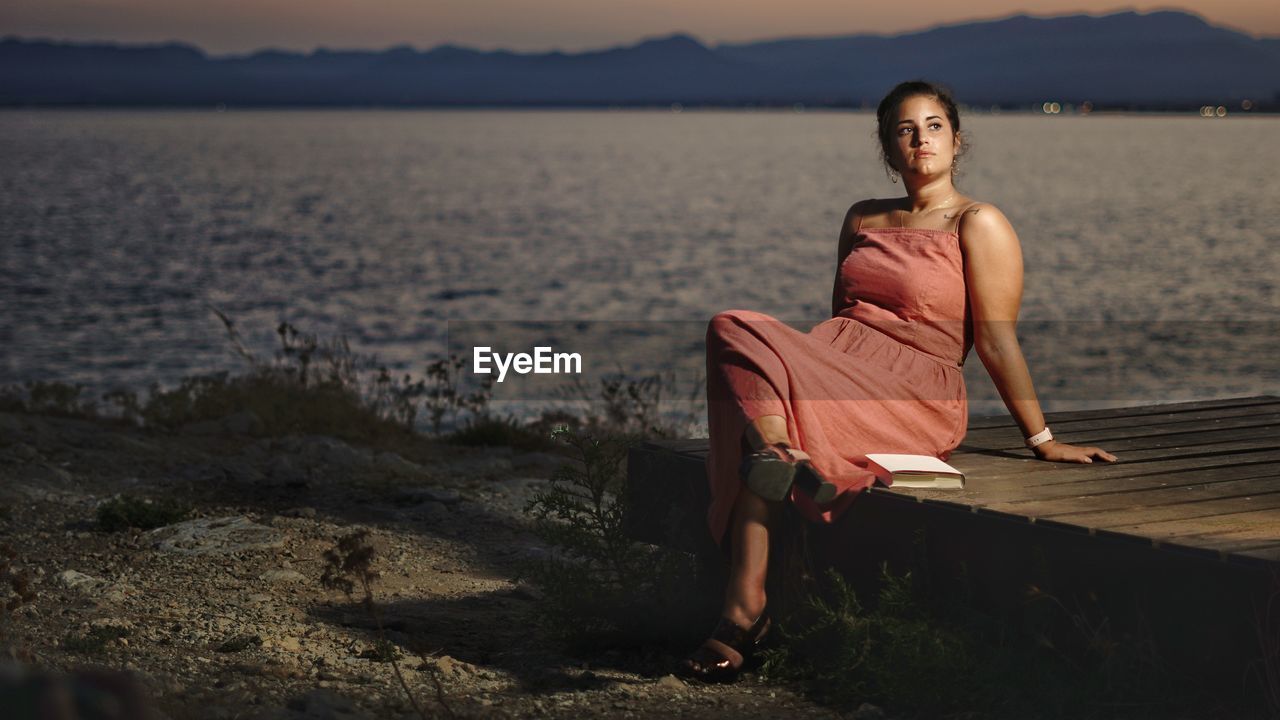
(223, 615)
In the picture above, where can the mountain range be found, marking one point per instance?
(1125, 60)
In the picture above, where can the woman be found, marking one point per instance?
(919, 281)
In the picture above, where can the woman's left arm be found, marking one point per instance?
(993, 276)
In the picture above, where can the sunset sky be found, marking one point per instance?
(234, 26)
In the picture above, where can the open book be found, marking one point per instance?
(914, 471)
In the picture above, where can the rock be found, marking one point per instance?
(432, 513)
(216, 536)
(95, 589)
(23, 451)
(75, 580)
(541, 461)
(449, 667)
(283, 576)
(671, 682)
(243, 423)
(867, 711)
(300, 512)
(327, 452)
(492, 465)
(392, 463)
(284, 469)
(413, 496)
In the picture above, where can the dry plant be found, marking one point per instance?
(348, 566)
(15, 591)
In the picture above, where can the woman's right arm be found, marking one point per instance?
(852, 220)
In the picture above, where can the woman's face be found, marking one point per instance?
(925, 142)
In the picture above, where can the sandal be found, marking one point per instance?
(771, 472)
(714, 662)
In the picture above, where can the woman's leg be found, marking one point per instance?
(749, 527)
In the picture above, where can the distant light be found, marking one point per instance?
(1046, 109)
(1246, 105)
(1055, 108)
(1086, 107)
(1222, 111)
(798, 107)
(1206, 111)
(676, 107)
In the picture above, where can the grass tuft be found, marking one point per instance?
(601, 588)
(125, 511)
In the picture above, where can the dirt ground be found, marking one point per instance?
(224, 615)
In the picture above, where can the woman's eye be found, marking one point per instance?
(936, 126)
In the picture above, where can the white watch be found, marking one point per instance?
(1040, 438)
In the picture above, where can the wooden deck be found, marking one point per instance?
(1179, 540)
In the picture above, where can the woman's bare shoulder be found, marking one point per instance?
(983, 223)
(864, 209)
(981, 215)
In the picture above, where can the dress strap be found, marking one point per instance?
(960, 216)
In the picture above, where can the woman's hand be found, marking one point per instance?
(1055, 451)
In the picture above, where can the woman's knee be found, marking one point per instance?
(726, 323)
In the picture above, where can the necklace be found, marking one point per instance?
(945, 203)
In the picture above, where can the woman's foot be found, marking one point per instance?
(771, 471)
(722, 656)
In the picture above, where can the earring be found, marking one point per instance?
(893, 176)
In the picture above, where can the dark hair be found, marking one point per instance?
(888, 108)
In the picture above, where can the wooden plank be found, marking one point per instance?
(1086, 509)
(1262, 525)
(1099, 485)
(1146, 414)
(1011, 435)
(986, 421)
(1010, 438)
(992, 473)
(989, 465)
(1123, 517)
(1135, 450)
(1229, 543)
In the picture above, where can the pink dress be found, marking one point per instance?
(883, 375)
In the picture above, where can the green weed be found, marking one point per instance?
(382, 651)
(125, 511)
(934, 657)
(489, 431)
(601, 587)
